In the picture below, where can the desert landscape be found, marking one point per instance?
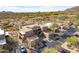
(40, 32)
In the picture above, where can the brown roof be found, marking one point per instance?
(29, 33)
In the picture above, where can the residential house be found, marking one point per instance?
(37, 30)
(31, 35)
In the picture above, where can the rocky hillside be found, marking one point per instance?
(73, 9)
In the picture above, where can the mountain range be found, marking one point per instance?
(73, 9)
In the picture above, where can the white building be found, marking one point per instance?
(2, 37)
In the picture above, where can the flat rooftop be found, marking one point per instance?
(24, 29)
(1, 31)
(3, 41)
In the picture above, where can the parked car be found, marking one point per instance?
(23, 49)
(76, 34)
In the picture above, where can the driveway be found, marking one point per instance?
(65, 47)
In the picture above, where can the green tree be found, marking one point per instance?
(72, 40)
(10, 41)
(50, 50)
(1, 46)
(53, 26)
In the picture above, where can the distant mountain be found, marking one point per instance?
(6, 12)
(73, 9)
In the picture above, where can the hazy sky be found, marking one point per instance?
(33, 8)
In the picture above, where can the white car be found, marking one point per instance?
(23, 49)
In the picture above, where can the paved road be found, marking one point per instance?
(18, 50)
